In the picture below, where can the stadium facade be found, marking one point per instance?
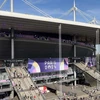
(24, 36)
(21, 24)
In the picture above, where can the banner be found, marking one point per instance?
(47, 65)
(90, 61)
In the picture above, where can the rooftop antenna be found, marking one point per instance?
(12, 5)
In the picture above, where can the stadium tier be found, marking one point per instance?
(29, 36)
(30, 48)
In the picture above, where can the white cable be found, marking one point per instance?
(66, 13)
(83, 15)
(96, 21)
(3, 4)
(86, 14)
(93, 21)
(29, 5)
(36, 8)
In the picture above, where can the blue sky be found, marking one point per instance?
(56, 8)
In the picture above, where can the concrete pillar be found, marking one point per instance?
(12, 95)
(94, 44)
(75, 61)
(98, 54)
(12, 45)
(60, 45)
(60, 54)
(97, 48)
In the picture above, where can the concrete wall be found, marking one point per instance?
(5, 50)
(39, 49)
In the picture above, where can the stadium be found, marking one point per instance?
(44, 58)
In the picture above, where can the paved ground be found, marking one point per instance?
(78, 91)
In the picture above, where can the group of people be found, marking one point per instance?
(91, 95)
(15, 74)
(29, 97)
(18, 86)
(38, 37)
(83, 98)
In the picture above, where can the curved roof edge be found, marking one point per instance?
(46, 19)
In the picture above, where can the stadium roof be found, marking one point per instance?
(44, 24)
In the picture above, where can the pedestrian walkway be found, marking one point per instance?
(23, 84)
(91, 75)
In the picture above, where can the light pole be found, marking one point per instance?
(12, 5)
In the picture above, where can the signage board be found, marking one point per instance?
(47, 65)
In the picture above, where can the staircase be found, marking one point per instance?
(23, 84)
(92, 76)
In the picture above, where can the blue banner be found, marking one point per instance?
(47, 65)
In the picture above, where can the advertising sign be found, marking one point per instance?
(47, 65)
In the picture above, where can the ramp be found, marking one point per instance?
(92, 76)
(23, 84)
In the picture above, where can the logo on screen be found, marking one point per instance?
(33, 67)
(50, 65)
